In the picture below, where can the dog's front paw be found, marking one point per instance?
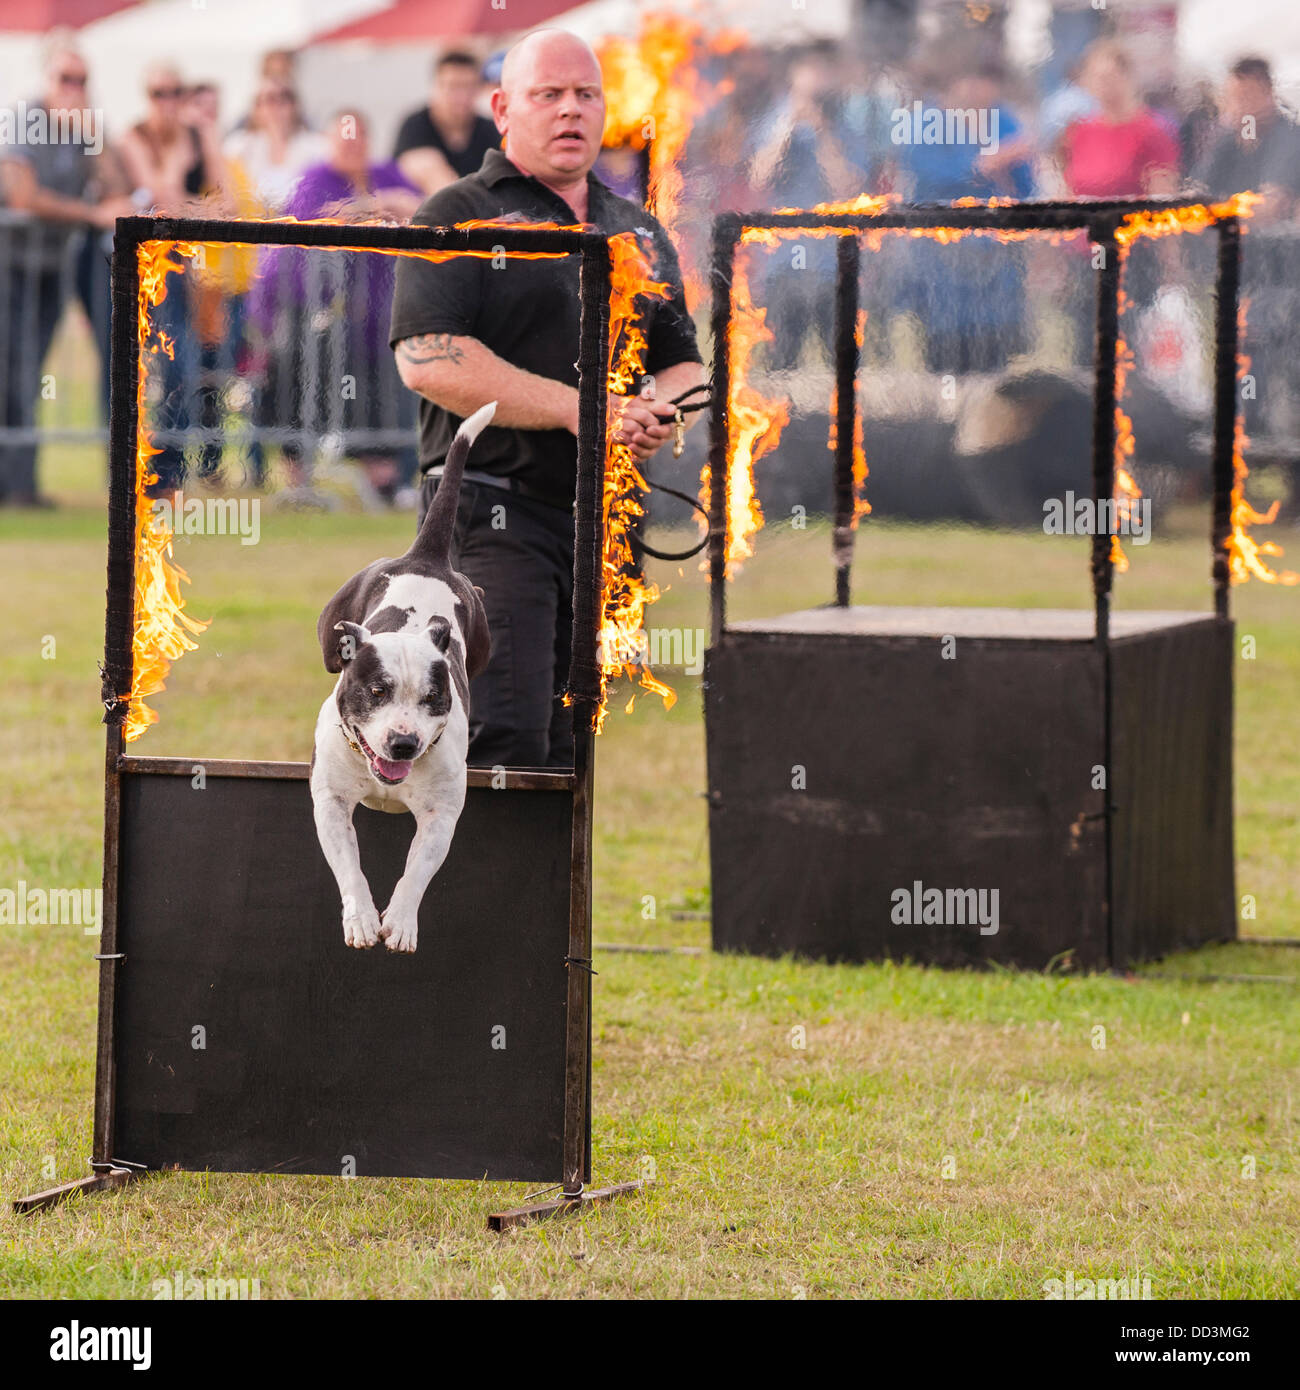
(399, 929)
(361, 925)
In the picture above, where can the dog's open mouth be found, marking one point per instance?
(386, 770)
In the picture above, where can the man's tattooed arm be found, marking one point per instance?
(430, 347)
(459, 374)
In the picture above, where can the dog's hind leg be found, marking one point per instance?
(433, 833)
(338, 842)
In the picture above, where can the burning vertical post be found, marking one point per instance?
(1227, 295)
(847, 267)
(726, 234)
(585, 690)
(1102, 235)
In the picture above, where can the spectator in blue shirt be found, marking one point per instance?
(969, 297)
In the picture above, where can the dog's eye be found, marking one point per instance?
(378, 691)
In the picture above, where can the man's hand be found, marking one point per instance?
(642, 424)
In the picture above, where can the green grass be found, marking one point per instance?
(779, 1170)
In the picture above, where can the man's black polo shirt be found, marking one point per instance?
(526, 311)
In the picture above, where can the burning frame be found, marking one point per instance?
(228, 1039)
(1104, 843)
(1112, 225)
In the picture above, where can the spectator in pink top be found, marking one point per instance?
(1122, 150)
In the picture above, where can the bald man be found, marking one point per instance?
(466, 332)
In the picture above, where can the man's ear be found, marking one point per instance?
(439, 631)
(353, 636)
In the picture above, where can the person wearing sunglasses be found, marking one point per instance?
(53, 191)
(172, 154)
(275, 145)
(176, 167)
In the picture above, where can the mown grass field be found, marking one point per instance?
(780, 1172)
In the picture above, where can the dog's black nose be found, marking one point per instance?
(402, 747)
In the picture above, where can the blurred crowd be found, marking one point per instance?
(822, 125)
(783, 128)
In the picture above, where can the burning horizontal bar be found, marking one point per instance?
(1040, 215)
(131, 231)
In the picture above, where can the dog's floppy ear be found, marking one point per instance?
(439, 631)
(353, 636)
(348, 600)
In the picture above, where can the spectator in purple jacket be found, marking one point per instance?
(323, 319)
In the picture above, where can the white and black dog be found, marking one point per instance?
(408, 636)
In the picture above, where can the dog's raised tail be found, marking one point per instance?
(434, 538)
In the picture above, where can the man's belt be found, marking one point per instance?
(534, 494)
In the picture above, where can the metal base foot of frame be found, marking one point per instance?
(108, 1181)
(559, 1206)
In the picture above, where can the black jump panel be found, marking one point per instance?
(850, 761)
(1174, 878)
(315, 1053)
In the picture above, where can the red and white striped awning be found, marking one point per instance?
(408, 20)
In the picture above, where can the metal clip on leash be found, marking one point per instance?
(680, 411)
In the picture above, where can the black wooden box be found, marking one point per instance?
(861, 758)
(251, 1039)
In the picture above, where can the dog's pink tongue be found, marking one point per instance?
(394, 771)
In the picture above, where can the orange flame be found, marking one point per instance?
(1245, 553)
(754, 421)
(653, 94)
(1246, 556)
(1175, 221)
(625, 594)
(1127, 491)
(162, 629)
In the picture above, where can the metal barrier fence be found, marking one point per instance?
(283, 351)
(44, 271)
(283, 348)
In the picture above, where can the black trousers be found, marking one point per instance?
(35, 304)
(520, 553)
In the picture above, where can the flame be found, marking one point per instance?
(754, 421)
(625, 593)
(1127, 491)
(161, 628)
(653, 93)
(1245, 554)
(1175, 221)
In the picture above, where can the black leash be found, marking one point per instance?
(681, 410)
